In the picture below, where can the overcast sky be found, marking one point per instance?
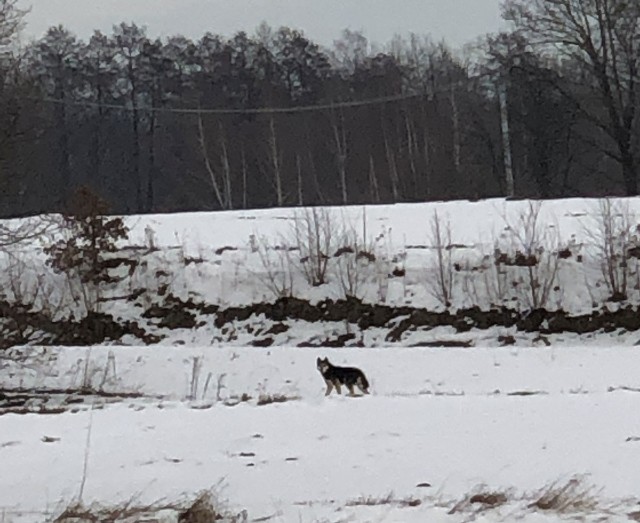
(458, 21)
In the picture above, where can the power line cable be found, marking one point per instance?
(264, 110)
(220, 111)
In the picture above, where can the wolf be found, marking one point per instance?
(335, 376)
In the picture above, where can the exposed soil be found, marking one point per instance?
(56, 401)
(20, 326)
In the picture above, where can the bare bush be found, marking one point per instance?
(318, 247)
(33, 300)
(615, 244)
(527, 255)
(315, 232)
(356, 260)
(440, 239)
(278, 275)
(31, 287)
(20, 231)
(495, 279)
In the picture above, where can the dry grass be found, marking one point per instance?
(205, 508)
(573, 496)
(267, 399)
(124, 513)
(481, 499)
(389, 499)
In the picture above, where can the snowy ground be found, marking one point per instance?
(227, 258)
(401, 236)
(463, 421)
(440, 426)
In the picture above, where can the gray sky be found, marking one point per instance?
(458, 21)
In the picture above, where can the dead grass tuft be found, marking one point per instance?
(205, 508)
(389, 499)
(573, 496)
(481, 499)
(95, 513)
(492, 499)
(267, 399)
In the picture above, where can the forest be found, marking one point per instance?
(545, 110)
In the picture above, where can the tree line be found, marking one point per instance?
(548, 109)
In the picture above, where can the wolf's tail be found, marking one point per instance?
(364, 382)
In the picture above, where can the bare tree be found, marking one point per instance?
(373, 181)
(441, 287)
(278, 268)
(226, 167)
(391, 162)
(612, 232)
(529, 254)
(221, 193)
(299, 179)
(340, 140)
(276, 162)
(506, 141)
(10, 22)
(243, 156)
(130, 41)
(601, 36)
(11, 18)
(25, 230)
(411, 148)
(455, 121)
(316, 233)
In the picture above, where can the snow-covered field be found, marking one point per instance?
(464, 421)
(512, 425)
(227, 258)
(401, 236)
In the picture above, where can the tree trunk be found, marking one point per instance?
(456, 132)
(226, 167)
(207, 164)
(411, 141)
(275, 161)
(135, 124)
(151, 170)
(299, 171)
(64, 167)
(373, 181)
(96, 149)
(506, 142)
(391, 164)
(426, 151)
(244, 178)
(341, 157)
(629, 173)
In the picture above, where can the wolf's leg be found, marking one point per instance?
(337, 386)
(361, 386)
(329, 388)
(350, 387)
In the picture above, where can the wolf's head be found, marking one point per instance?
(322, 364)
